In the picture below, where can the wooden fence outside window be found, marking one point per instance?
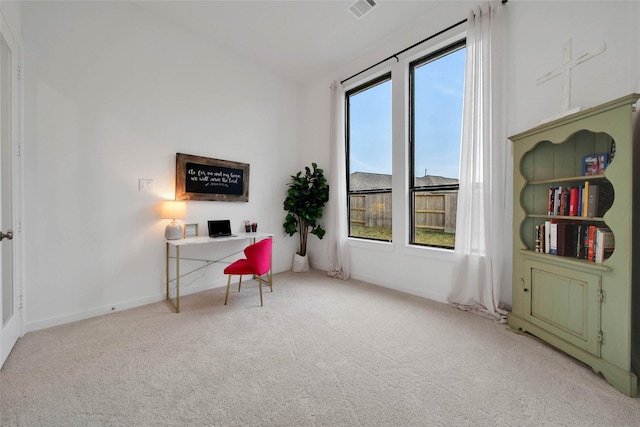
(434, 210)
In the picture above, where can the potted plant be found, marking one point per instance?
(307, 194)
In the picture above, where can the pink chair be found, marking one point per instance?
(257, 263)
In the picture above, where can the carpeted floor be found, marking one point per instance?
(321, 352)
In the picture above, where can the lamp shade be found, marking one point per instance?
(173, 209)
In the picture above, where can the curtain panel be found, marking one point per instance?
(480, 222)
(337, 232)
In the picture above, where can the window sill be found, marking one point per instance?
(377, 245)
(411, 250)
(429, 252)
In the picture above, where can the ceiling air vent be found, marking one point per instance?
(359, 8)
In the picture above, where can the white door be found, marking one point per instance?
(10, 310)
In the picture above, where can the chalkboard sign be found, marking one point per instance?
(203, 178)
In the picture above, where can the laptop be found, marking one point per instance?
(220, 228)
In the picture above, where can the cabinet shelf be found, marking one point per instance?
(566, 261)
(581, 178)
(571, 218)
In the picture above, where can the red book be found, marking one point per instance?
(592, 238)
(574, 201)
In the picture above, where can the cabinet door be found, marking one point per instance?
(565, 302)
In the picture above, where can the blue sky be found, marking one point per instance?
(439, 92)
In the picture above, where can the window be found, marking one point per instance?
(368, 128)
(435, 91)
(436, 84)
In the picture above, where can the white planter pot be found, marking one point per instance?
(300, 264)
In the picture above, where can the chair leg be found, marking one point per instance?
(227, 294)
(260, 282)
(270, 281)
(240, 283)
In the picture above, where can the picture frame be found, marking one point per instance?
(190, 230)
(594, 164)
(205, 178)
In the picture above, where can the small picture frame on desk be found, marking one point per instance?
(190, 230)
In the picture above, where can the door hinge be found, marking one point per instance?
(601, 295)
(20, 302)
(600, 336)
(19, 72)
(19, 150)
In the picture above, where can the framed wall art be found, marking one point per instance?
(204, 178)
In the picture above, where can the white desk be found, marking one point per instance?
(202, 240)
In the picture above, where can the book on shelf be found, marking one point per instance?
(547, 236)
(590, 241)
(574, 197)
(604, 244)
(566, 238)
(557, 197)
(580, 194)
(579, 241)
(541, 245)
(564, 202)
(585, 198)
(605, 197)
(592, 201)
(553, 238)
(585, 242)
(552, 201)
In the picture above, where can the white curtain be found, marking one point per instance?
(481, 214)
(337, 219)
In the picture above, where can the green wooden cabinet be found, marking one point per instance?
(583, 308)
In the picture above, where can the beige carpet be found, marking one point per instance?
(321, 352)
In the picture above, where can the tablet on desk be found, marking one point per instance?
(220, 228)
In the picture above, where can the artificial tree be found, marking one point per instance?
(307, 194)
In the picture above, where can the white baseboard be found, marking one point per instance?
(112, 308)
(423, 294)
(94, 312)
(373, 280)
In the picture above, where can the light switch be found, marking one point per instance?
(145, 184)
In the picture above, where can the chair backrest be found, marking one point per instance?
(259, 255)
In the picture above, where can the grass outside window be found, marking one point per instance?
(425, 237)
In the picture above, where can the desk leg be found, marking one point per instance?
(177, 279)
(176, 306)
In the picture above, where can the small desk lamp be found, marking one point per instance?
(173, 209)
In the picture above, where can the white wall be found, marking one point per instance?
(111, 94)
(536, 33)
(11, 12)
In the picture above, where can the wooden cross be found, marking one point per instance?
(565, 71)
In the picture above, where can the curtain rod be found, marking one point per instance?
(410, 47)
